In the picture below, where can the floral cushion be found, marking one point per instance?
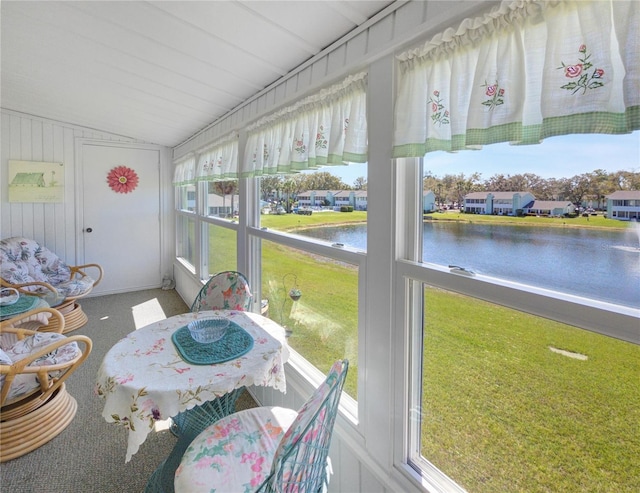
(18, 350)
(4, 360)
(224, 291)
(24, 260)
(235, 453)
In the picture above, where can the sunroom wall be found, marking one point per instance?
(363, 460)
(363, 452)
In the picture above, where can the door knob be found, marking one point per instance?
(88, 230)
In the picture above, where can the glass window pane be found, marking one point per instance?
(186, 228)
(329, 204)
(186, 198)
(222, 249)
(552, 227)
(316, 299)
(515, 402)
(222, 199)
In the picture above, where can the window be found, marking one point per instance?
(511, 401)
(222, 199)
(222, 248)
(311, 258)
(187, 246)
(315, 297)
(503, 397)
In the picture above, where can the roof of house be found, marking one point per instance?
(28, 179)
(496, 195)
(625, 194)
(318, 193)
(549, 204)
(347, 193)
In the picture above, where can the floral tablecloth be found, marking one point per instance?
(143, 378)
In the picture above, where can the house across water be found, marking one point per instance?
(624, 205)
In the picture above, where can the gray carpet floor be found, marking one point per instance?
(89, 455)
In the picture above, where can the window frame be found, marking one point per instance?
(410, 274)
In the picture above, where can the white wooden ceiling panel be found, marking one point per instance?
(158, 71)
(83, 28)
(171, 87)
(253, 34)
(74, 96)
(166, 32)
(317, 22)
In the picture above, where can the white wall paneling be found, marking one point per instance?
(29, 138)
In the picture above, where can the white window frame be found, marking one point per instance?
(409, 274)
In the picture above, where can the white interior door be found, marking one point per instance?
(121, 231)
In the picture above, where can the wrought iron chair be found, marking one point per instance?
(267, 449)
(228, 290)
(34, 404)
(33, 269)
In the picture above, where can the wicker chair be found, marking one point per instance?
(228, 290)
(35, 406)
(33, 269)
(267, 448)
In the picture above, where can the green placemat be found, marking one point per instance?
(234, 344)
(24, 304)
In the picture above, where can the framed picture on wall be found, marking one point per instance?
(36, 181)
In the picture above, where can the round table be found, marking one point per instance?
(144, 379)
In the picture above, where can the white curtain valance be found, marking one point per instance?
(528, 70)
(185, 170)
(327, 128)
(219, 161)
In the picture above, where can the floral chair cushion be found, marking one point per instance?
(235, 453)
(224, 291)
(20, 349)
(24, 260)
(4, 360)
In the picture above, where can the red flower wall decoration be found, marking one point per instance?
(122, 179)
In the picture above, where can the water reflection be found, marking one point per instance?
(598, 264)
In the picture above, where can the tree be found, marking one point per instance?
(288, 187)
(269, 184)
(360, 183)
(323, 180)
(224, 188)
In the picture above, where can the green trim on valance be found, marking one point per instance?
(325, 129)
(522, 72)
(585, 123)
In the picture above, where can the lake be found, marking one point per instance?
(597, 264)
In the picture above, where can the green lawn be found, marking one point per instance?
(502, 412)
(289, 222)
(598, 221)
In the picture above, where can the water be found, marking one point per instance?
(597, 264)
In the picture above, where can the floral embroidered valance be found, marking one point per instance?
(528, 70)
(327, 128)
(219, 161)
(185, 170)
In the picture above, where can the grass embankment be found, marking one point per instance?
(598, 221)
(501, 411)
(290, 222)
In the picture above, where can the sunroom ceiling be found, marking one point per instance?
(158, 71)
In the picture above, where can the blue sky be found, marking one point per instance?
(556, 157)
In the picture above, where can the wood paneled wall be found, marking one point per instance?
(29, 138)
